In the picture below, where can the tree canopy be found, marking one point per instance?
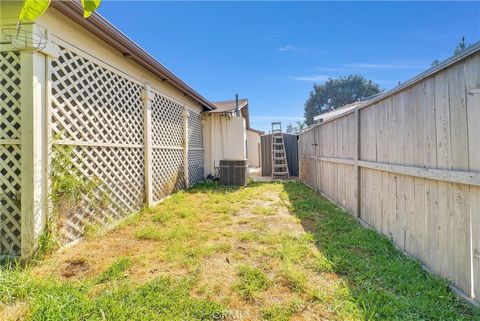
(335, 93)
(300, 125)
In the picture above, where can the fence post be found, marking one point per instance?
(356, 157)
(34, 141)
(147, 97)
(185, 147)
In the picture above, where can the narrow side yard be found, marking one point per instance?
(270, 251)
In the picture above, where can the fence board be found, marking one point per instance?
(431, 186)
(418, 168)
(459, 151)
(472, 83)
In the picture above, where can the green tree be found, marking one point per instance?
(335, 93)
(462, 45)
(296, 129)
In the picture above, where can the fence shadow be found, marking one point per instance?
(381, 279)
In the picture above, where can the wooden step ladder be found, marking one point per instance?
(279, 156)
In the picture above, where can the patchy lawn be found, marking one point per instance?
(271, 251)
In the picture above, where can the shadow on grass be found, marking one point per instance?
(383, 282)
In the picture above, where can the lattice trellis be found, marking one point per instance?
(93, 104)
(102, 112)
(195, 152)
(195, 167)
(168, 172)
(121, 172)
(168, 140)
(10, 95)
(167, 122)
(195, 130)
(99, 112)
(10, 161)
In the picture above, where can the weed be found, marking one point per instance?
(294, 278)
(115, 270)
(281, 312)
(149, 232)
(251, 281)
(262, 210)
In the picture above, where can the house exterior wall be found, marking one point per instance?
(253, 146)
(224, 138)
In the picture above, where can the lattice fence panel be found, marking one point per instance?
(195, 145)
(195, 130)
(93, 104)
(10, 161)
(195, 167)
(167, 122)
(168, 173)
(168, 140)
(100, 112)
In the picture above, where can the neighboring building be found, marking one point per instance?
(228, 135)
(253, 147)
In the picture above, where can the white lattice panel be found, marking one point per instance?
(102, 112)
(195, 130)
(93, 104)
(195, 145)
(9, 95)
(195, 167)
(10, 199)
(10, 237)
(167, 122)
(168, 172)
(168, 140)
(121, 173)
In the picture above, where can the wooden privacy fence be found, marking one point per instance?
(141, 144)
(408, 164)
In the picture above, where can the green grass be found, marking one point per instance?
(263, 210)
(251, 282)
(381, 280)
(281, 312)
(294, 278)
(194, 257)
(159, 299)
(115, 270)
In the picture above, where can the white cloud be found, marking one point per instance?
(287, 48)
(311, 78)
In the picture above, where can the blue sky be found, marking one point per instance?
(273, 52)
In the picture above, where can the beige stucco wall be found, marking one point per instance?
(67, 33)
(224, 138)
(253, 148)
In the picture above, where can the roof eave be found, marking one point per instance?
(104, 30)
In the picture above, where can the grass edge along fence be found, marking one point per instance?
(407, 163)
